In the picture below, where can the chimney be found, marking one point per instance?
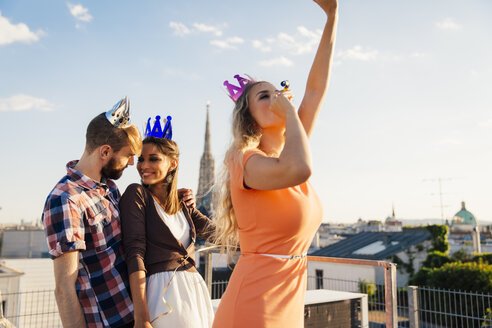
(476, 239)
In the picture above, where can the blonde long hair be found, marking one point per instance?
(246, 135)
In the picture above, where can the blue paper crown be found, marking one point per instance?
(157, 131)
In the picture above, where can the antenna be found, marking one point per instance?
(440, 181)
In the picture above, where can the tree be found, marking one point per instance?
(436, 259)
(471, 276)
(484, 257)
(461, 255)
(439, 237)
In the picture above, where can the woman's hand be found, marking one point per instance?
(142, 324)
(328, 6)
(281, 103)
(293, 166)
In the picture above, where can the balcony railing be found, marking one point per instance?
(31, 309)
(388, 306)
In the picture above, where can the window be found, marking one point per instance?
(319, 279)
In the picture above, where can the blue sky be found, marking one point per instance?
(409, 99)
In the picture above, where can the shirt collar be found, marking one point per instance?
(82, 179)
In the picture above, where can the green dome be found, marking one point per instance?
(389, 219)
(464, 217)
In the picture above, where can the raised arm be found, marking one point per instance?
(319, 75)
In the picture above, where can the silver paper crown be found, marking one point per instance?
(119, 115)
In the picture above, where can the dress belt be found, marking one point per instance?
(288, 257)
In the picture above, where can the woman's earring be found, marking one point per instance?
(169, 177)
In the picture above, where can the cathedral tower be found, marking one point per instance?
(207, 169)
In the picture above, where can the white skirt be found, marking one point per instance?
(187, 296)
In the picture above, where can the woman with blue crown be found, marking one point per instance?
(267, 205)
(159, 233)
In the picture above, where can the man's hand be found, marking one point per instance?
(186, 195)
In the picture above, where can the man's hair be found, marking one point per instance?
(101, 132)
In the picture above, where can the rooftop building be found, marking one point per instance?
(464, 217)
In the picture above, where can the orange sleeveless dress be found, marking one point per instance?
(266, 291)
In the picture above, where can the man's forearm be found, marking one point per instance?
(69, 307)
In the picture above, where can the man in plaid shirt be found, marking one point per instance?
(82, 226)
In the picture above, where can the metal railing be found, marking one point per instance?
(411, 306)
(31, 309)
(390, 298)
(450, 308)
(218, 288)
(423, 307)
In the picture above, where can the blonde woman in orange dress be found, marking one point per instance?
(267, 203)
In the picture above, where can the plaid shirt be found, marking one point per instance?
(82, 215)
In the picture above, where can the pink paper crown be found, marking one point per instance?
(236, 91)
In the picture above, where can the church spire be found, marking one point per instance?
(207, 148)
(207, 168)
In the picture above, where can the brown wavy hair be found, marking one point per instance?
(170, 149)
(101, 132)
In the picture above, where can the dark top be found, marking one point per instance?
(148, 243)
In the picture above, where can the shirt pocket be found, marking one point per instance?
(100, 228)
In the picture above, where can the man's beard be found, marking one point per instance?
(109, 171)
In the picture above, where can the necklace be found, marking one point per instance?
(158, 201)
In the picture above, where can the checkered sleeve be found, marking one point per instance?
(63, 225)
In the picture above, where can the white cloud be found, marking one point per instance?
(21, 102)
(261, 46)
(302, 42)
(310, 35)
(235, 39)
(179, 28)
(208, 29)
(281, 61)
(10, 33)
(357, 53)
(79, 12)
(336, 63)
(182, 75)
(448, 24)
(227, 43)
